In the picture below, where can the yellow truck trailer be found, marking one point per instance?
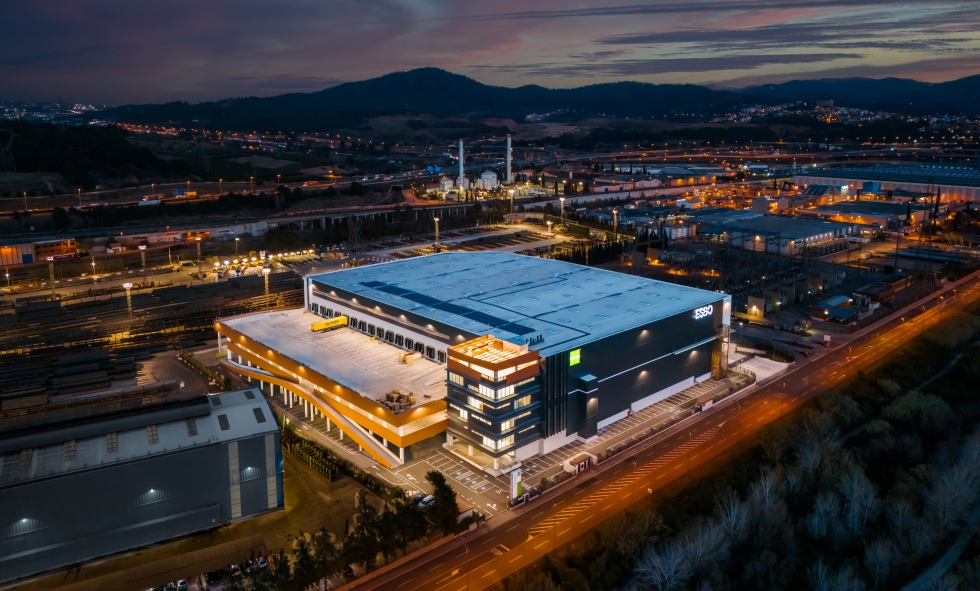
(329, 324)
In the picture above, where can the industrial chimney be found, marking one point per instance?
(460, 181)
(510, 176)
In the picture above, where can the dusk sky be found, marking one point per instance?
(116, 51)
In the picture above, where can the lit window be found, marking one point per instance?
(464, 414)
(505, 392)
(502, 443)
(489, 442)
(456, 378)
(507, 425)
(488, 392)
(474, 403)
(522, 401)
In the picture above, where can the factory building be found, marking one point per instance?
(956, 183)
(884, 214)
(89, 479)
(501, 356)
(776, 234)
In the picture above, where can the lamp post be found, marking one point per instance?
(51, 272)
(220, 190)
(216, 267)
(153, 190)
(236, 244)
(562, 202)
(901, 337)
(265, 276)
(511, 191)
(7, 274)
(198, 240)
(79, 199)
(615, 213)
(93, 265)
(549, 228)
(250, 180)
(436, 245)
(143, 262)
(129, 300)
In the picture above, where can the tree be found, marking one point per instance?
(388, 534)
(445, 511)
(60, 219)
(411, 524)
(282, 573)
(361, 546)
(302, 561)
(732, 514)
(664, 568)
(325, 556)
(877, 559)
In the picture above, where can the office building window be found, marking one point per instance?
(463, 413)
(505, 392)
(507, 425)
(474, 403)
(489, 442)
(111, 443)
(502, 443)
(456, 378)
(522, 401)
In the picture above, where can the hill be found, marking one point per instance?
(437, 92)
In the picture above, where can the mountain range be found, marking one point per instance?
(440, 93)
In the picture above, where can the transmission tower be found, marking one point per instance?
(7, 154)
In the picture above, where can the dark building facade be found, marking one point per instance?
(86, 487)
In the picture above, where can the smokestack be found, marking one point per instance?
(510, 175)
(460, 181)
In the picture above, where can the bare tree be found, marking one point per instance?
(733, 515)
(703, 542)
(860, 500)
(819, 576)
(946, 582)
(877, 559)
(826, 508)
(664, 568)
(765, 491)
(901, 515)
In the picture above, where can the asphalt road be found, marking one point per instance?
(517, 538)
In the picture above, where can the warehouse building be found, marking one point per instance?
(956, 183)
(510, 356)
(88, 479)
(775, 234)
(884, 214)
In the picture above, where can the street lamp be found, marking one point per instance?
(7, 274)
(236, 244)
(220, 190)
(198, 240)
(143, 261)
(511, 191)
(129, 301)
(265, 276)
(216, 267)
(562, 201)
(250, 190)
(436, 246)
(549, 228)
(79, 199)
(51, 272)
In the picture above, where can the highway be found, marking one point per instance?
(517, 538)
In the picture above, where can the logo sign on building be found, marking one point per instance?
(516, 484)
(574, 357)
(703, 312)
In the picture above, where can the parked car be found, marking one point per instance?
(248, 566)
(261, 562)
(234, 570)
(418, 499)
(427, 502)
(182, 585)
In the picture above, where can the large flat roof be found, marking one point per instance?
(219, 418)
(350, 358)
(517, 298)
(963, 176)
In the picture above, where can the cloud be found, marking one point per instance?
(637, 68)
